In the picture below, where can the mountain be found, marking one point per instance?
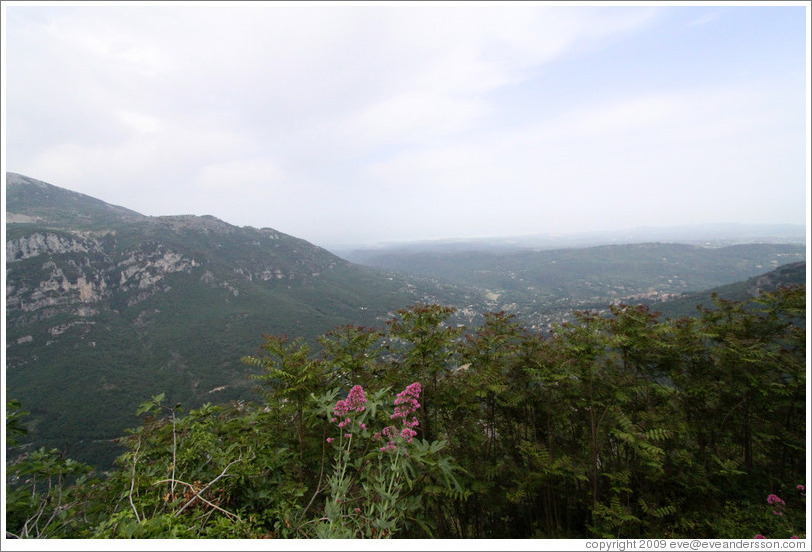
(706, 235)
(543, 286)
(106, 307)
(792, 274)
(34, 201)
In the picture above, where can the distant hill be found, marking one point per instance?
(106, 307)
(706, 235)
(543, 286)
(793, 274)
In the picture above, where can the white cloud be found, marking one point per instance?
(231, 175)
(593, 168)
(705, 18)
(366, 115)
(140, 122)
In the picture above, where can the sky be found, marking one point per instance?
(362, 123)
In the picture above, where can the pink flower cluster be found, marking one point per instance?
(355, 402)
(406, 404)
(389, 433)
(406, 401)
(774, 500)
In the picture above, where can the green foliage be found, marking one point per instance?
(39, 501)
(617, 424)
(14, 425)
(374, 490)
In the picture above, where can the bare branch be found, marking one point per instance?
(56, 508)
(197, 495)
(204, 489)
(318, 485)
(174, 460)
(132, 481)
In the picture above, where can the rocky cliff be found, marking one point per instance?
(107, 307)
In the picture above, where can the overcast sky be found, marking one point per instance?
(349, 124)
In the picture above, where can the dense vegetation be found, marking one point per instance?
(614, 425)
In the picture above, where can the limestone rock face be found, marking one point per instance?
(47, 243)
(51, 273)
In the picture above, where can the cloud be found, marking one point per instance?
(643, 157)
(400, 119)
(140, 122)
(251, 173)
(705, 18)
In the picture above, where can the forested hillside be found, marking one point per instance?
(615, 425)
(544, 286)
(792, 274)
(105, 306)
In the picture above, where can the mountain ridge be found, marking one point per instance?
(106, 307)
(542, 286)
(792, 274)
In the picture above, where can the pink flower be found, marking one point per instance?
(778, 503)
(801, 488)
(405, 405)
(362, 425)
(330, 439)
(408, 434)
(774, 499)
(356, 398)
(759, 537)
(406, 401)
(354, 402)
(794, 537)
(341, 408)
(358, 511)
(348, 435)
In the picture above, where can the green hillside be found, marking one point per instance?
(793, 274)
(30, 200)
(542, 286)
(106, 307)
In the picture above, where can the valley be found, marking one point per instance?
(544, 286)
(106, 307)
